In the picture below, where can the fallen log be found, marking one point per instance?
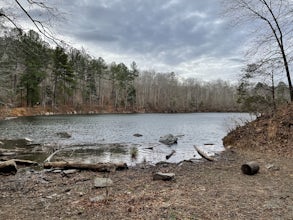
(100, 167)
(52, 155)
(203, 154)
(25, 162)
(250, 168)
(8, 167)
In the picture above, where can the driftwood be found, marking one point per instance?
(25, 162)
(8, 167)
(7, 153)
(203, 154)
(170, 155)
(52, 155)
(100, 167)
(250, 168)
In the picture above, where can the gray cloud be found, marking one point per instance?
(166, 35)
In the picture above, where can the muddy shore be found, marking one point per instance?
(203, 190)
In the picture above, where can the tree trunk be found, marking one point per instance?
(250, 168)
(203, 154)
(8, 167)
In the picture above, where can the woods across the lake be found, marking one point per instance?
(35, 74)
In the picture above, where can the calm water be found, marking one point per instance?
(98, 134)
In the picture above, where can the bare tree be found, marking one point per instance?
(41, 22)
(271, 22)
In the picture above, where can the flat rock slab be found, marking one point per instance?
(102, 182)
(164, 176)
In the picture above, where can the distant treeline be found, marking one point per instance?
(33, 73)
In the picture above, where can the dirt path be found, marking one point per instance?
(204, 190)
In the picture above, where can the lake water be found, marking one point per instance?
(109, 137)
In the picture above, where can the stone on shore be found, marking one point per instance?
(164, 176)
(102, 182)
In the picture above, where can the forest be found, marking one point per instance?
(34, 73)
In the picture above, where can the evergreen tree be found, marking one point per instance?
(63, 77)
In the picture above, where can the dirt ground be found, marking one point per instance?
(201, 190)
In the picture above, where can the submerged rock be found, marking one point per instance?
(137, 135)
(63, 135)
(168, 139)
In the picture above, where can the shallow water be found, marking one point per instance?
(109, 137)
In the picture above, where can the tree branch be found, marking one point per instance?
(36, 23)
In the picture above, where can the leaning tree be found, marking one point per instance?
(270, 22)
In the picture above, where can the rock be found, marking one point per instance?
(63, 135)
(57, 171)
(98, 198)
(163, 176)
(137, 135)
(168, 139)
(72, 171)
(102, 182)
(272, 167)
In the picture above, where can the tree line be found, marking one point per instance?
(33, 73)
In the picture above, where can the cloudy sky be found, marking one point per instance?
(189, 37)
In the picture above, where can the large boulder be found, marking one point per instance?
(168, 139)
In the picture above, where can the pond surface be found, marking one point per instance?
(110, 137)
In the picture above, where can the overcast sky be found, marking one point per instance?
(189, 37)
